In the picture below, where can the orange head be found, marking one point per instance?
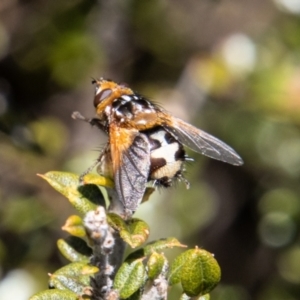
(107, 91)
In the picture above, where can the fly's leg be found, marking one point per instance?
(90, 168)
(94, 122)
(76, 115)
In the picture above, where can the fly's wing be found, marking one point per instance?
(130, 153)
(202, 142)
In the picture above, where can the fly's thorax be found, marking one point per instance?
(134, 111)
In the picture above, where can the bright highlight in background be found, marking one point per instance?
(292, 6)
(17, 285)
(239, 53)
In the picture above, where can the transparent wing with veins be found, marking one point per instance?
(202, 142)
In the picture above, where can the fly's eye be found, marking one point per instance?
(101, 96)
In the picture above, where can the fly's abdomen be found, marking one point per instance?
(167, 156)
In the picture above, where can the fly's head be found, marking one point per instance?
(105, 93)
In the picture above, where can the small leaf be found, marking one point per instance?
(74, 226)
(148, 192)
(200, 274)
(77, 269)
(62, 283)
(157, 264)
(61, 180)
(163, 244)
(156, 246)
(138, 232)
(98, 180)
(134, 231)
(196, 270)
(129, 278)
(74, 249)
(83, 198)
(93, 194)
(55, 295)
(136, 296)
(176, 268)
(116, 221)
(74, 277)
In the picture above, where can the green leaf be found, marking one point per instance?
(98, 180)
(201, 273)
(74, 277)
(74, 226)
(76, 269)
(148, 192)
(83, 198)
(93, 194)
(55, 295)
(176, 268)
(134, 231)
(156, 246)
(62, 283)
(163, 244)
(157, 264)
(196, 270)
(129, 278)
(136, 296)
(74, 249)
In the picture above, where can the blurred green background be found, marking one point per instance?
(229, 67)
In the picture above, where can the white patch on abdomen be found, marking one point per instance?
(166, 152)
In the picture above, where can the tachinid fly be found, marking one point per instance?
(145, 143)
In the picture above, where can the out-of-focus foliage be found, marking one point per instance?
(229, 67)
